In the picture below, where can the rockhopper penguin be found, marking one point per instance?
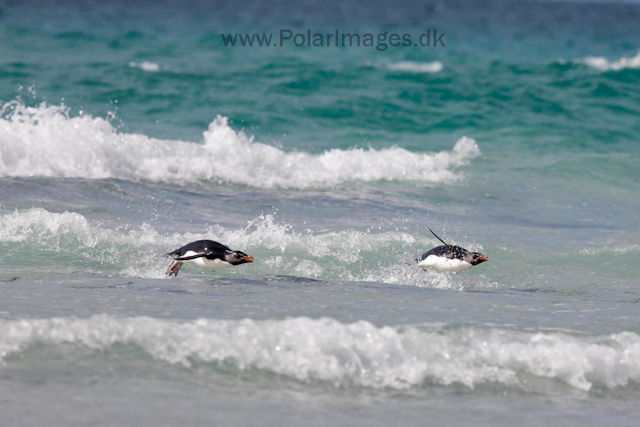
(450, 258)
(206, 254)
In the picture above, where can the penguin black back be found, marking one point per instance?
(446, 251)
(208, 248)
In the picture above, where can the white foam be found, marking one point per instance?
(603, 64)
(46, 142)
(88, 248)
(279, 248)
(415, 67)
(357, 354)
(406, 273)
(38, 224)
(151, 67)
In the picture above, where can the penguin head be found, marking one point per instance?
(237, 257)
(475, 258)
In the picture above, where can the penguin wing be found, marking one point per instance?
(200, 248)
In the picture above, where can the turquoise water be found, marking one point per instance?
(128, 131)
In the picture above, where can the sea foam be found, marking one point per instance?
(278, 247)
(356, 354)
(605, 65)
(148, 66)
(415, 67)
(45, 141)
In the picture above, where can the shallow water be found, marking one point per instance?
(128, 131)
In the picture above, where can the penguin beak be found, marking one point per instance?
(483, 258)
(248, 258)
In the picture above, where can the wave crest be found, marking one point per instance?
(357, 354)
(416, 67)
(45, 141)
(149, 66)
(603, 64)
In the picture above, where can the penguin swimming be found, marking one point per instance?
(207, 254)
(450, 258)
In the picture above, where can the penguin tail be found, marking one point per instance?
(173, 254)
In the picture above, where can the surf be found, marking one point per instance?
(46, 141)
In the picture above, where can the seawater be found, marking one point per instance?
(127, 131)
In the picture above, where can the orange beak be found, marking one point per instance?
(248, 258)
(483, 258)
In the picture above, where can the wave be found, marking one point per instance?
(45, 141)
(415, 67)
(68, 241)
(604, 65)
(148, 66)
(357, 354)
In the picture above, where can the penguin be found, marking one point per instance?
(207, 254)
(450, 258)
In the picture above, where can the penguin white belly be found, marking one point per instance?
(211, 264)
(208, 264)
(444, 264)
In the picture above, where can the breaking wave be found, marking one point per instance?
(68, 241)
(148, 66)
(45, 141)
(416, 67)
(357, 354)
(605, 65)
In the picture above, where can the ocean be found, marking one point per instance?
(129, 130)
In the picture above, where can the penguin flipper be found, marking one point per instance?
(190, 257)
